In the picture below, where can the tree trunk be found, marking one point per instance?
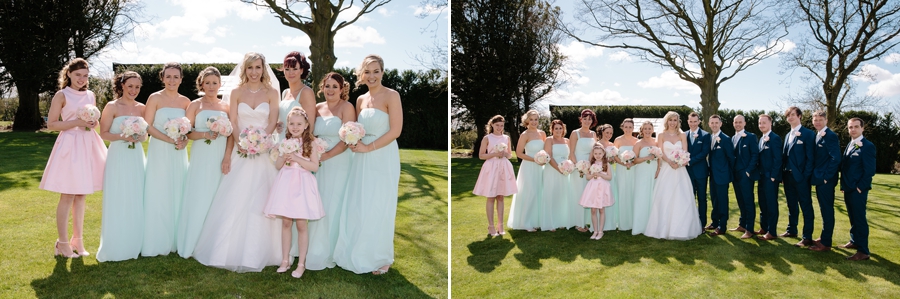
(831, 95)
(709, 100)
(322, 59)
(28, 115)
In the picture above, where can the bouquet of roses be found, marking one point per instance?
(219, 125)
(320, 145)
(500, 148)
(254, 141)
(177, 128)
(135, 127)
(351, 132)
(88, 113)
(566, 167)
(626, 156)
(656, 152)
(582, 167)
(596, 168)
(288, 147)
(611, 153)
(541, 158)
(681, 157)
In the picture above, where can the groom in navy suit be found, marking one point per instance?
(769, 178)
(698, 168)
(746, 152)
(721, 162)
(798, 166)
(825, 177)
(857, 170)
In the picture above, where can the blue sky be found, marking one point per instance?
(222, 31)
(612, 77)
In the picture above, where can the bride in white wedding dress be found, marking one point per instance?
(673, 214)
(236, 235)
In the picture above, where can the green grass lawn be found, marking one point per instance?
(568, 264)
(28, 229)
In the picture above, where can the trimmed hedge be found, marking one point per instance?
(880, 129)
(424, 96)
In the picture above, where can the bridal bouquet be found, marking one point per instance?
(220, 125)
(656, 152)
(582, 167)
(566, 167)
(135, 127)
(351, 132)
(626, 156)
(288, 147)
(320, 145)
(177, 128)
(611, 153)
(541, 158)
(88, 113)
(254, 141)
(681, 157)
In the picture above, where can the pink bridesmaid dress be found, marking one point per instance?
(295, 195)
(78, 157)
(597, 194)
(497, 176)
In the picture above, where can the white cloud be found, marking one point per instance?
(620, 56)
(782, 46)
(196, 18)
(577, 52)
(384, 12)
(300, 41)
(356, 37)
(220, 31)
(670, 80)
(616, 84)
(884, 83)
(892, 58)
(131, 52)
(603, 97)
(676, 95)
(426, 10)
(871, 73)
(349, 14)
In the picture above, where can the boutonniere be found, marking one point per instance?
(766, 139)
(857, 145)
(743, 134)
(797, 133)
(822, 134)
(696, 135)
(717, 139)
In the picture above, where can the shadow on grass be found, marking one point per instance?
(25, 155)
(423, 175)
(486, 255)
(171, 275)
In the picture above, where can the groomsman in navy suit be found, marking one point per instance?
(769, 177)
(698, 167)
(721, 162)
(746, 153)
(857, 170)
(825, 177)
(798, 166)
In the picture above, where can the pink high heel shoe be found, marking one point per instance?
(285, 265)
(79, 247)
(297, 273)
(57, 252)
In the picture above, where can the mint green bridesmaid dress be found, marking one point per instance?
(644, 178)
(625, 199)
(583, 148)
(163, 189)
(122, 225)
(201, 183)
(332, 180)
(525, 211)
(284, 107)
(557, 190)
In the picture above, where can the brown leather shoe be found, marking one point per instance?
(739, 229)
(709, 227)
(747, 235)
(767, 237)
(818, 247)
(760, 232)
(716, 232)
(859, 256)
(804, 242)
(788, 235)
(849, 245)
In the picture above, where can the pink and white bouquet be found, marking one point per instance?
(88, 113)
(656, 152)
(582, 167)
(254, 141)
(541, 158)
(596, 168)
(500, 148)
(288, 147)
(681, 157)
(177, 128)
(566, 167)
(134, 127)
(611, 153)
(626, 156)
(320, 145)
(220, 125)
(351, 132)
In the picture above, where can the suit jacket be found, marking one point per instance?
(770, 158)
(799, 157)
(746, 157)
(858, 168)
(827, 158)
(721, 159)
(699, 149)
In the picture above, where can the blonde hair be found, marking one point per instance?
(671, 115)
(250, 58)
(360, 71)
(208, 71)
(306, 136)
(644, 124)
(527, 115)
(73, 65)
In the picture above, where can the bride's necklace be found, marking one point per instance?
(255, 91)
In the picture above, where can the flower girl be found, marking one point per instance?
(496, 179)
(295, 195)
(598, 193)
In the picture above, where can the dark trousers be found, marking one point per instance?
(719, 215)
(859, 226)
(799, 193)
(699, 185)
(743, 191)
(768, 205)
(825, 196)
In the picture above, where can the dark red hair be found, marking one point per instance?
(297, 60)
(589, 112)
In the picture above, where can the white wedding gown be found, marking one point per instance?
(673, 214)
(236, 234)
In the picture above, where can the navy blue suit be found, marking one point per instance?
(698, 169)
(769, 168)
(857, 170)
(721, 163)
(746, 153)
(798, 166)
(825, 178)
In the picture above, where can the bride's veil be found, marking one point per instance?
(232, 81)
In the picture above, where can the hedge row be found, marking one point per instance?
(423, 93)
(882, 130)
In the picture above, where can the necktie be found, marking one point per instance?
(849, 148)
(762, 143)
(818, 137)
(735, 139)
